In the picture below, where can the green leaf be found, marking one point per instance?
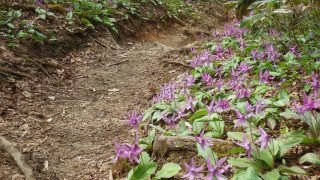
(143, 171)
(237, 136)
(86, 22)
(291, 170)
(266, 157)
(22, 34)
(198, 114)
(249, 174)
(311, 158)
(168, 170)
(144, 157)
(272, 175)
(241, 162)
(206, 153)
(283, 99)
(288, 114)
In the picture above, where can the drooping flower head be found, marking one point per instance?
(134, 119)
(246, 145)
(193, 171)
(241, 119)
(263, 139)
(217, 170)
(211, 107)
(206, 77)
(130, 151)
(203, 141)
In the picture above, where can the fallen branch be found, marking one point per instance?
(17, 156)
(177, 63)
(117, 63)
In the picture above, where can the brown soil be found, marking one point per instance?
(66, 126)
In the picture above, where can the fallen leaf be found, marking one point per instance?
(52, 98)
(46, 165)
(26, 94)
(113, 90)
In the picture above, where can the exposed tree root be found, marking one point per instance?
(177, 63)
(165, 144)
(117, 63)
(9, 147)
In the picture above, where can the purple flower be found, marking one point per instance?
(39, 2)
(254, 54)
(219, 71)
(134, 119)
(166, 93)
(242, 92)
(234, 73)
(211, 108)
(259, 106)
(264, 76)
(241, 119)
(207, 79)
(219, 84)
(246, 145)
(131, 151)
(263, 139)
(219, 52)
(295, 51)
(271, 53)
(193, 171)
(119, 151)
(202, 140)
(274, 33)
(244, 67)
(242, 44)
(223, 105)
(190, 80)
(171, 121)
(308, 104)
(217, 170)
(189, 104)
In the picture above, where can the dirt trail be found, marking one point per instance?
(67, 128)
(70, 133)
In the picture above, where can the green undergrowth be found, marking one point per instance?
(255, 85)
(43, 20)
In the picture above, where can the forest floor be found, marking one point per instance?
(67, 127)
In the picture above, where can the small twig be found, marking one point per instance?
(99, 42)
(40, 67)
(20, 74)
(117, 63)
(9, 147)
(177, 63)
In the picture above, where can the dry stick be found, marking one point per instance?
(39, 66)
(8, 146)
(177, 63)
(99, 42)
(15, 73)
(117, 63)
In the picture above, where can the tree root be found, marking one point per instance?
(177, 63)
(165, 144)
(9, 147)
